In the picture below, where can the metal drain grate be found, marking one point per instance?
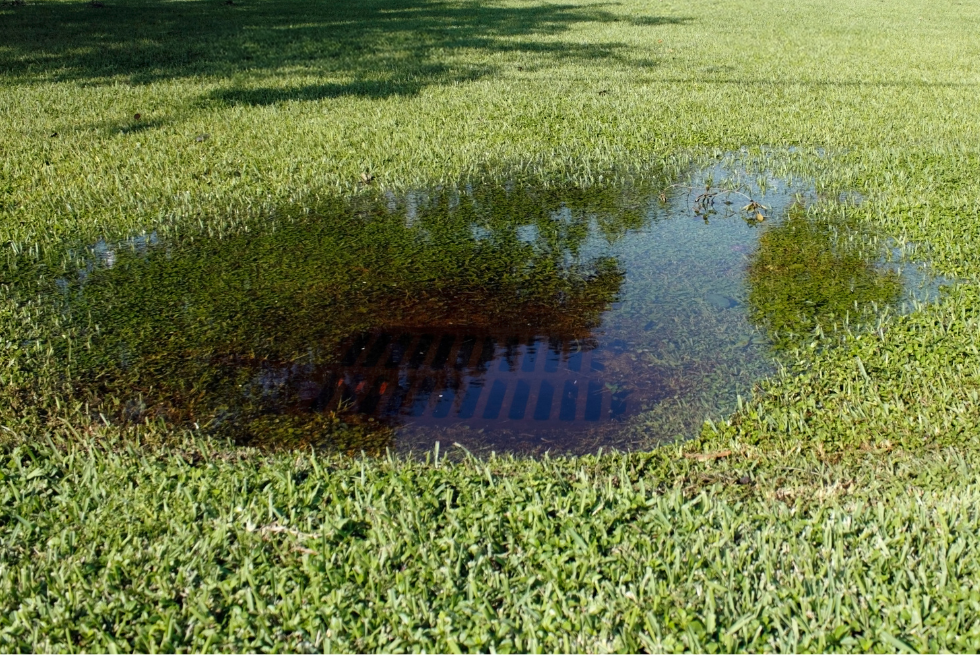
(479, 379)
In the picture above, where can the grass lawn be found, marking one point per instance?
(837, 509)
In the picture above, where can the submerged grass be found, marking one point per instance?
(836, 510)
(805, 275)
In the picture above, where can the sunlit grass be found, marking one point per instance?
(835, 510)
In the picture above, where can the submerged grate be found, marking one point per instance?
(425, 376)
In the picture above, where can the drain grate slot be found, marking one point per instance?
(530, 356)
(443, 351)
(593, 402)
(496, 400)
(354, 352)
(420, 351)
(487, 355)
(569, 398)
(465, 352)
(422, 395)
(398, 350)
(546, 394)
(473, 392)
(376, 350)
(518, 404)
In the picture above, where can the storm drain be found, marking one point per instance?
(469, 377)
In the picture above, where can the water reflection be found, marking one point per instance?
(805, 274)
(519, 318)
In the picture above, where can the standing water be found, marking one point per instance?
(510, 318)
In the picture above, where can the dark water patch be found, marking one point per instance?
(456, 383)
(508, 318)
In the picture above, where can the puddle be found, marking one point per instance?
(505, 318)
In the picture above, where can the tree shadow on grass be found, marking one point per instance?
(382, 82)
(367, 48)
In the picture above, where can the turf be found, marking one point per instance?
(211, 551)
(837, 509)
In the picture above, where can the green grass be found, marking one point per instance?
(803, 276)
(845, 517)
(187, 549)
